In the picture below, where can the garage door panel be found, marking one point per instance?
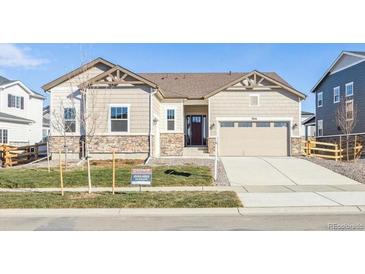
(253, 141)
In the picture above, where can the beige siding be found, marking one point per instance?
(278, 103)
(179, 112)
(190, 110)
(136, 97)
(156, 109)
(59, 99)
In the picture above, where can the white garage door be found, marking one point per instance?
(264, 138)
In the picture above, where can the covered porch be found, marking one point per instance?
(196, 123)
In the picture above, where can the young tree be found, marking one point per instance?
(346, 119)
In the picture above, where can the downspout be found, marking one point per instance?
(152, 92)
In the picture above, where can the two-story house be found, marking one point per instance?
(341, 88)
(142, 115)
(20, 113)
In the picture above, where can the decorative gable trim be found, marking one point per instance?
(255, 81)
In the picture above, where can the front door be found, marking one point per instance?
(196, 130)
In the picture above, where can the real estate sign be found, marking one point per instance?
(141, 176)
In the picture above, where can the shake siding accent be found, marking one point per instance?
(327, 113)
(179, 115)
(275, 103)
(136, 97)
(84, 76)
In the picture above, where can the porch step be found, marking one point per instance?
(196, 151)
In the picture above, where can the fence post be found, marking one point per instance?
(61, 175)
(355, 145)
(336, 152)
(113, 187)
(340, 148)
(88, 174)
(308, 148)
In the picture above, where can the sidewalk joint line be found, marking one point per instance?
(328, 198)
(282, 173)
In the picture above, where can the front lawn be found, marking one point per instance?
(187, 175)
(121, 200)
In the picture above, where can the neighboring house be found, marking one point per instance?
(308, 124)
(344, 81)
(165, 114)
(46, 124)
(20, 113)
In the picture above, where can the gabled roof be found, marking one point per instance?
(200, 85)
(175, 85)
(12, 118)
(4, 81)
(311, 120)
(307, 113)
(360, 54)
(270, 76)
(75, 72)
(121, 69)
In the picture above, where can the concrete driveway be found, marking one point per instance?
(261, 171)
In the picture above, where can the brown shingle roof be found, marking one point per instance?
(197, 85)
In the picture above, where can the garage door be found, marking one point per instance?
(264, 138)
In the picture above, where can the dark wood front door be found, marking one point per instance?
(196, 130)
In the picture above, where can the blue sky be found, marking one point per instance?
(300, 64)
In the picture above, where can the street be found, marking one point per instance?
(174, 223)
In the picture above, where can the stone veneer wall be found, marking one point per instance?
(211, 146)
(172, 144)
(56, 144)
(121, 144)
(296, 146)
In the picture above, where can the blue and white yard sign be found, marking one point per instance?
(141, 176)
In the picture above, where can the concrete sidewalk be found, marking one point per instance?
(238, 189)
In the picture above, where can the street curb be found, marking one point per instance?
(120, 212)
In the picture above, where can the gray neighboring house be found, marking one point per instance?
(343, 81)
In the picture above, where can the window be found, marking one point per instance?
(262, 124)
(171, 119)
(349, 110)
(119, 119)
(227, 124)
(254, 100)
(349, 87)
(280, 124)
(336, 94)
(69, 115)
(244, 124)
(320, 99)
(15, 101)
(3, 136)
(320, 128)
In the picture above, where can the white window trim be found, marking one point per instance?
(110, 120)
(2, 135)
(349, 84)
(166, 109)
(334, 94)
(319, 93)
(258, 100)
(318, 122)
(348, 101)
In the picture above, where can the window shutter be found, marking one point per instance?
(22, 102)
(9, 100)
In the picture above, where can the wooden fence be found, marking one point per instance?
(11, 156)
(332, 151)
